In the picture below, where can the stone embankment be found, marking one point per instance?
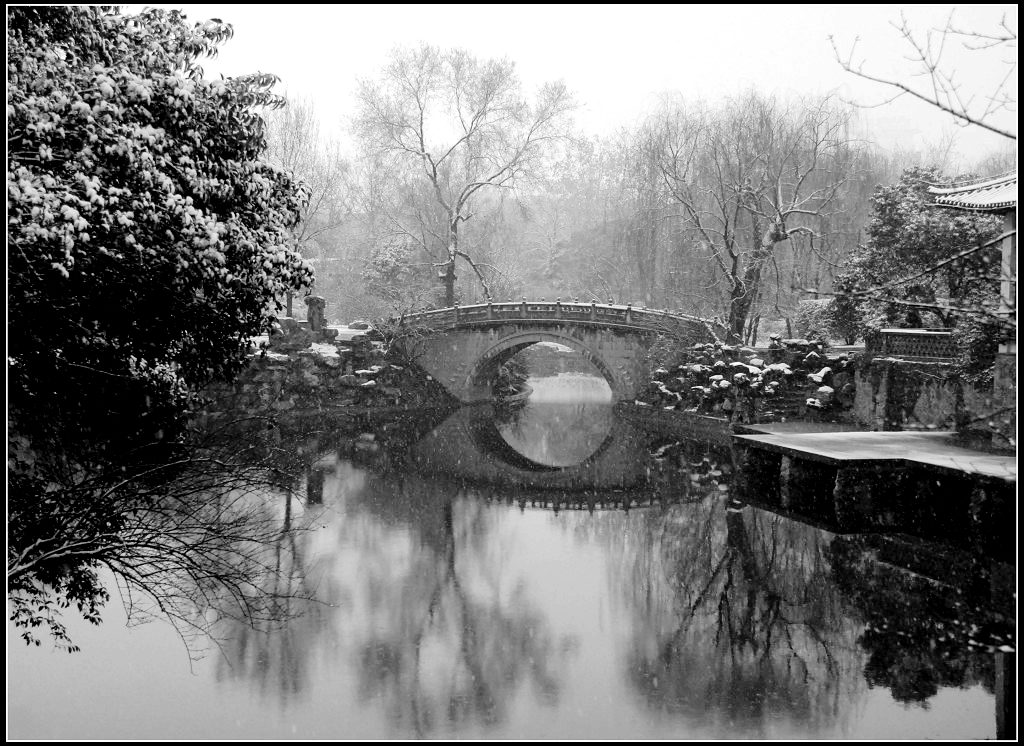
(302, 370)
(793, 378)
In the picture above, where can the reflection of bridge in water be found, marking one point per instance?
(591, 499)
(463, 347)
(469, 446)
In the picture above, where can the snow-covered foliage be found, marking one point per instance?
(921, 266)
(708, 379)
(147, 240)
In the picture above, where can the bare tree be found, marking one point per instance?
(190, 539)
(940, 83)
(294, 142)
(463, 125)
(751, 177)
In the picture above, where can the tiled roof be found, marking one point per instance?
(992, 195)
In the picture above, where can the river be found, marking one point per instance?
(547, 571)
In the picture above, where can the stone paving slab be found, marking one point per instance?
(927, 448)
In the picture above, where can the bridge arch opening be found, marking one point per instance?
(486, 369)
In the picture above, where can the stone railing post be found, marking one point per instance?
(315, 312)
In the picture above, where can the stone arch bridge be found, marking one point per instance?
(463, 347)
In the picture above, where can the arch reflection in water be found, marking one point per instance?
(565, 420)
(472, 445)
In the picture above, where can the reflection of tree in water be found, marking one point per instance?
(445, 643)
(921, 633)
(762, 619)
(276, 655)
(762, 633)
(737, 622)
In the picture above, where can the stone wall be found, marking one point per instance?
(894, 394)
(326, 377)
(1004, 397)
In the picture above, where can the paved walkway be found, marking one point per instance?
(839, 447)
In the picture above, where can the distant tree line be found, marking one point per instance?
(737, 211)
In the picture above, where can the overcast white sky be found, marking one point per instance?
(618, 59)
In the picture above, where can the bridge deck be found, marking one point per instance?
(605, 314)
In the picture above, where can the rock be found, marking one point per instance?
(349, 380)
(287, 325)
(823, 376)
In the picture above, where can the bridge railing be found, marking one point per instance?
(573, 311)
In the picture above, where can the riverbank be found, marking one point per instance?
(354, 379)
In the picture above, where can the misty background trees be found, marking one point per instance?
(736, 210)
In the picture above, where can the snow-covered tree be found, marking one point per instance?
(461, 125)
(921, 266)
(148, 241)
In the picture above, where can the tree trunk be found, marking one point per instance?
(739, 305)
(744, 291)
(449, 283)
(449, 276)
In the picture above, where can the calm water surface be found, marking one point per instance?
(483, 579)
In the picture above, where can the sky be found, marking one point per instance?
(620, 60)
